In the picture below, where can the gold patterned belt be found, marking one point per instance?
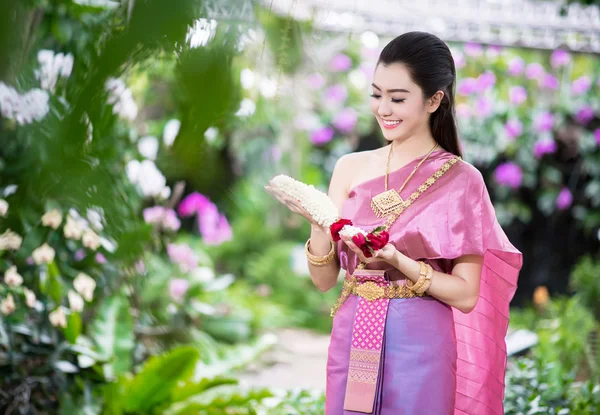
(371, 291)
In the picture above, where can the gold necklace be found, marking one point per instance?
(387, 201)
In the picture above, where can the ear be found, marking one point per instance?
(434, 102)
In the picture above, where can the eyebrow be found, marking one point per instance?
(393, 90)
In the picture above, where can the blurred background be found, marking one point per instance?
(145, 270)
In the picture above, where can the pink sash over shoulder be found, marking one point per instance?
(454, 217)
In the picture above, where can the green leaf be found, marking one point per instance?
(227, 397)
(73, 329)
(50, 283)
(158, 378)
(113, 333)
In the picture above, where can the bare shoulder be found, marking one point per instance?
(349, 165)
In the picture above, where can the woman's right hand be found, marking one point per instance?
(292, 204)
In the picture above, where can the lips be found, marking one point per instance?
(390, 124)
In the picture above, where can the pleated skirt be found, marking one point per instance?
(417, 374)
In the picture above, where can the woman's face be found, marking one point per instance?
(397, 103)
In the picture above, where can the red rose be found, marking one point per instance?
(360, 241)
(336, 227)
(378, 241)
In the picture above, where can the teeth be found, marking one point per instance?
(390, 122)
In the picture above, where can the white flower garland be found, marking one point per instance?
(318, 204)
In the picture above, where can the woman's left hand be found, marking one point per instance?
(386, 254)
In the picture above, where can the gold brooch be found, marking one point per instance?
(370, 291)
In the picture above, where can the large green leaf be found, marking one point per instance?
(112, 330)
(225, 397)
(158, 378)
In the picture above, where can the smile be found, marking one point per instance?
(391, 124)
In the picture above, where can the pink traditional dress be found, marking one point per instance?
(419, 355)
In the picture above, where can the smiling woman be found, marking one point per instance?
(420, 324)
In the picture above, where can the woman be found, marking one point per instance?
(420, 325)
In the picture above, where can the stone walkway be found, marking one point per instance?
(297, 361)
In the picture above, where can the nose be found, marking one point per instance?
(384, 109)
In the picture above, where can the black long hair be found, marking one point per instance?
(431, 66)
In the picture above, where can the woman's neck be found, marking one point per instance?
(406, 150)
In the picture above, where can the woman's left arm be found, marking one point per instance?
(460, 289)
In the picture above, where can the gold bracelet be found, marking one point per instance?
(426, 281)
(422, 274)
(319, 261)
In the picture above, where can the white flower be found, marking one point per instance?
(26, 108)
(75, 301)
(52, 66)
(90, 240)
(211, 134)
(350, 231)
(10, 241)
(7, 306)
(95, 216)
(148, 147)
(12, 278)
(370, 39)
(170, 131)
(147, 177)
(3, 208)
(85, 285)
(203, 274)
(72, 229)
(317, 204)
(247, 78)
(10, 189)
(247, 108)
(29, 298)
(268, 87)
(58, 318)
(52, 218)
(121, 99)
(43, 255)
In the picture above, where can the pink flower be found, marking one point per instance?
(177, 288)
(585, 115)
(367, 69)
(473, 49)
(534, 71)
(170, 221)
(544, 146)
(549, 82)
(486, 80)
(214, 227)
(484, 107)
(154, 214)
(219, 233)
(192, 203)
(336, 94)
(316, 81)
(581, 85)
(340, 63)
(321, 136)
(459, 60)
(513, 128)
(100, 259)
(543, 121)
(509, 174)
(468, 86)
(79, 254)
(345, 120)
(564, 199)
(597, 136)
(183, 255)
(517, 95)
(559, 58)
(516, 66)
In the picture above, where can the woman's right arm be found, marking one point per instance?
(325, 277)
